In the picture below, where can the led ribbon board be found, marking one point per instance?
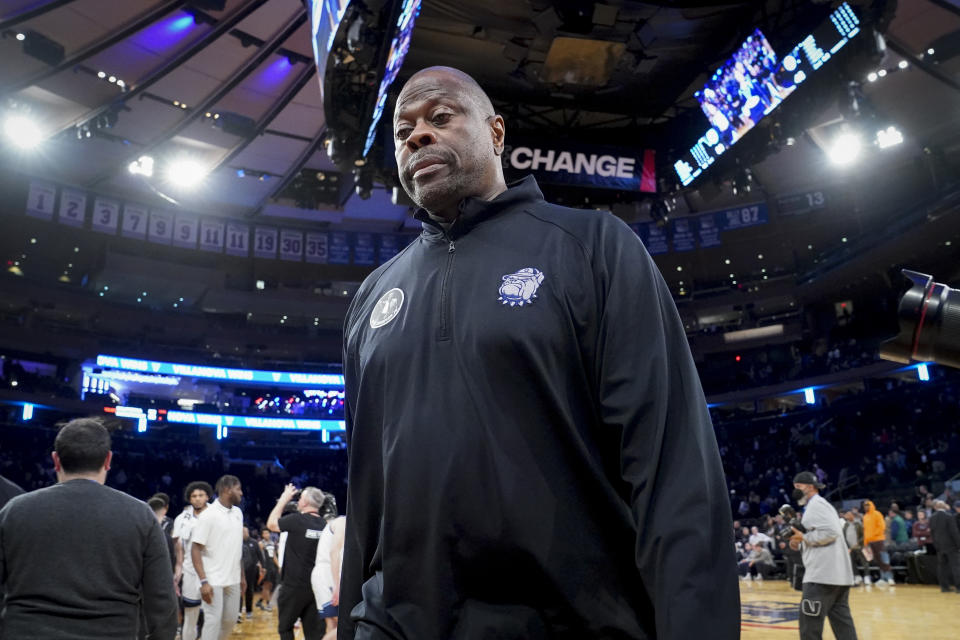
(399, 46)
(752, 83)
(254, 422)
(325, 18)
(221, 373)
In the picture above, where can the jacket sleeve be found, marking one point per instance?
(953, 529)
(364, 497)
(649, 392)
(159, 598)
(822, 526)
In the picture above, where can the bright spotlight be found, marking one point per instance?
(142, 166)
(185, 173)
(872, 76)
(889, 137)
(845, 149)
(903, 64)
(22, 132)
(22, 36)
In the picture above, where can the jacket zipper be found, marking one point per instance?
(444, 332)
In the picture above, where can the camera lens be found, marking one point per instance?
(929, 324)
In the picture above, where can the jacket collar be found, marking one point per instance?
(473, 211)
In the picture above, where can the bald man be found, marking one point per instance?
(530, 453)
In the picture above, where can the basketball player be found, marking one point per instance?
(520, 373)
(217, 550)
(326, 573)
(197, 495)
(269, 549)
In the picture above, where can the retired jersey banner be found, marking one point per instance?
(558, 162)
(40, 200)
(73, 207)
(106, 216)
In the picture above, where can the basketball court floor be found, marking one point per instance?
(770, 610)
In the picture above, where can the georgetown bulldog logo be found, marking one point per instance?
(520, 288)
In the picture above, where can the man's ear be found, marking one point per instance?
(497, 133)
(56, 462)
(107, 461)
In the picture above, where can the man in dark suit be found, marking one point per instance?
(946, 539)
(76, 558)
(8, 491)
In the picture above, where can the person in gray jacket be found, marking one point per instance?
(80, 560)
(829, 575)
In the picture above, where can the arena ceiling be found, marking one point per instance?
(151, 76)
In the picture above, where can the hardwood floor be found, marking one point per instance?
(770, 609)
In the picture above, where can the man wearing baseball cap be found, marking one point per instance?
(828, 573)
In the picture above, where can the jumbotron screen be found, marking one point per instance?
(325, 18)
(745, 89)
(754, 81)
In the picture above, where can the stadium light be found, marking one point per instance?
(809, 396)
(889, 137)
(22, 131)
(27, 411)
(844, 149)
(142, 166)
(923, 373)
(185, 173)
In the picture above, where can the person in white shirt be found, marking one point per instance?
(757, 537)
(325, 577)
(197, 494)
(217, 552)
(828, 574)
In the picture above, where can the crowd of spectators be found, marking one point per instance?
(144, 464)
(763, 548)
(892, 437)
(783, 363)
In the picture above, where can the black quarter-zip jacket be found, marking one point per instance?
(530, 453)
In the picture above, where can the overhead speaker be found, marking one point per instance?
(208, 5)
(43, 48)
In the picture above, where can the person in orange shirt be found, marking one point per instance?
(874, 536)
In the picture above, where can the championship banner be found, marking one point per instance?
(708, 231)
(339, 249)
(364, 249)
(683, 236)
(654, 237)
(389, 247)
(565, 163)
